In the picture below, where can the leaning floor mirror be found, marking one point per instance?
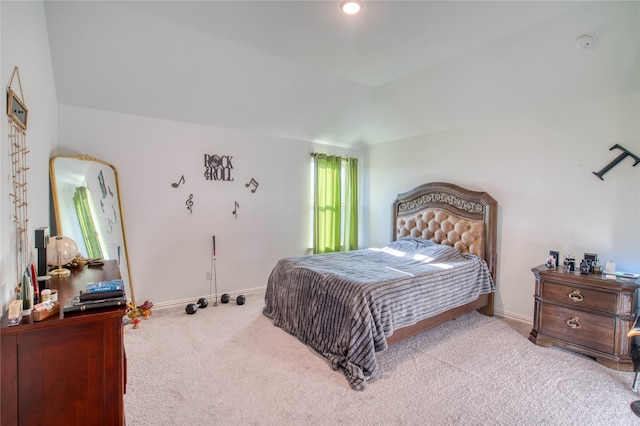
(88, 209)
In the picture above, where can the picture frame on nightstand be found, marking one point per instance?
(591, 257)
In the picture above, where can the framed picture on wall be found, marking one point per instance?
(17, 110)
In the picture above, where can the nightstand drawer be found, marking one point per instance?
(581, 328)
(579, 297)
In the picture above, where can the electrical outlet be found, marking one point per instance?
(207, 275)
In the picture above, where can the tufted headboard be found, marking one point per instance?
(449, 214)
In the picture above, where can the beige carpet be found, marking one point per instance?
(228, 365)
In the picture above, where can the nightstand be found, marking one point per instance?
(585, 313)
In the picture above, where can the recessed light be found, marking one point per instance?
(351, 7)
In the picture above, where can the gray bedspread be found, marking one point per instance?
(344, 305)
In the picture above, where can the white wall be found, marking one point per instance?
(170, 248)
(539, 169)
(24, 44)
(528, 118)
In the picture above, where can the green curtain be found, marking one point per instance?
(85, 219)
(333, 216)
(350, 223)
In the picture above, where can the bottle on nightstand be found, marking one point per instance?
(610, 270)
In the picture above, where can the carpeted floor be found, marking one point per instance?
(229, 365)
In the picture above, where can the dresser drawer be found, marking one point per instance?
(581, 328)
(579, 297)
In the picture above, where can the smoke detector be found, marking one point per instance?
(586, 41)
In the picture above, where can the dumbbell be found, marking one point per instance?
(225, 298)
(192, 308)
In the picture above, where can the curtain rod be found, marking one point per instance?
(320, 154)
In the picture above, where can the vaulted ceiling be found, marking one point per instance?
(304, 70)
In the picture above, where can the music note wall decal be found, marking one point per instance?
(235, 212)
(177, 184)
(252, 182)
(189, 203)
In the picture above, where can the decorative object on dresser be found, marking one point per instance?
(569, 263)
(589, 314)
(65, 369)
(41, 243)
(588, 264)
(61, 251)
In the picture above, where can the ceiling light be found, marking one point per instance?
(351, 7)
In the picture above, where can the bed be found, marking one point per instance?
(439, 265)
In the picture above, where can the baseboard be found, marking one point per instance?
(183, 302)
(258, 290)
(511, 316)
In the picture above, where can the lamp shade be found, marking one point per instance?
(61, 251)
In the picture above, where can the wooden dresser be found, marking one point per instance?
(66, 369)
(589, 314)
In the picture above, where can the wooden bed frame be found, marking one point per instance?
(452, 215)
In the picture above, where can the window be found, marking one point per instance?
(334, 211)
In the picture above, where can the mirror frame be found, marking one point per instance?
(56, 208)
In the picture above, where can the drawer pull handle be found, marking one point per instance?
(574, 323)
(576, 296)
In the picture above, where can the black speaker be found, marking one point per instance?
(42, 240)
